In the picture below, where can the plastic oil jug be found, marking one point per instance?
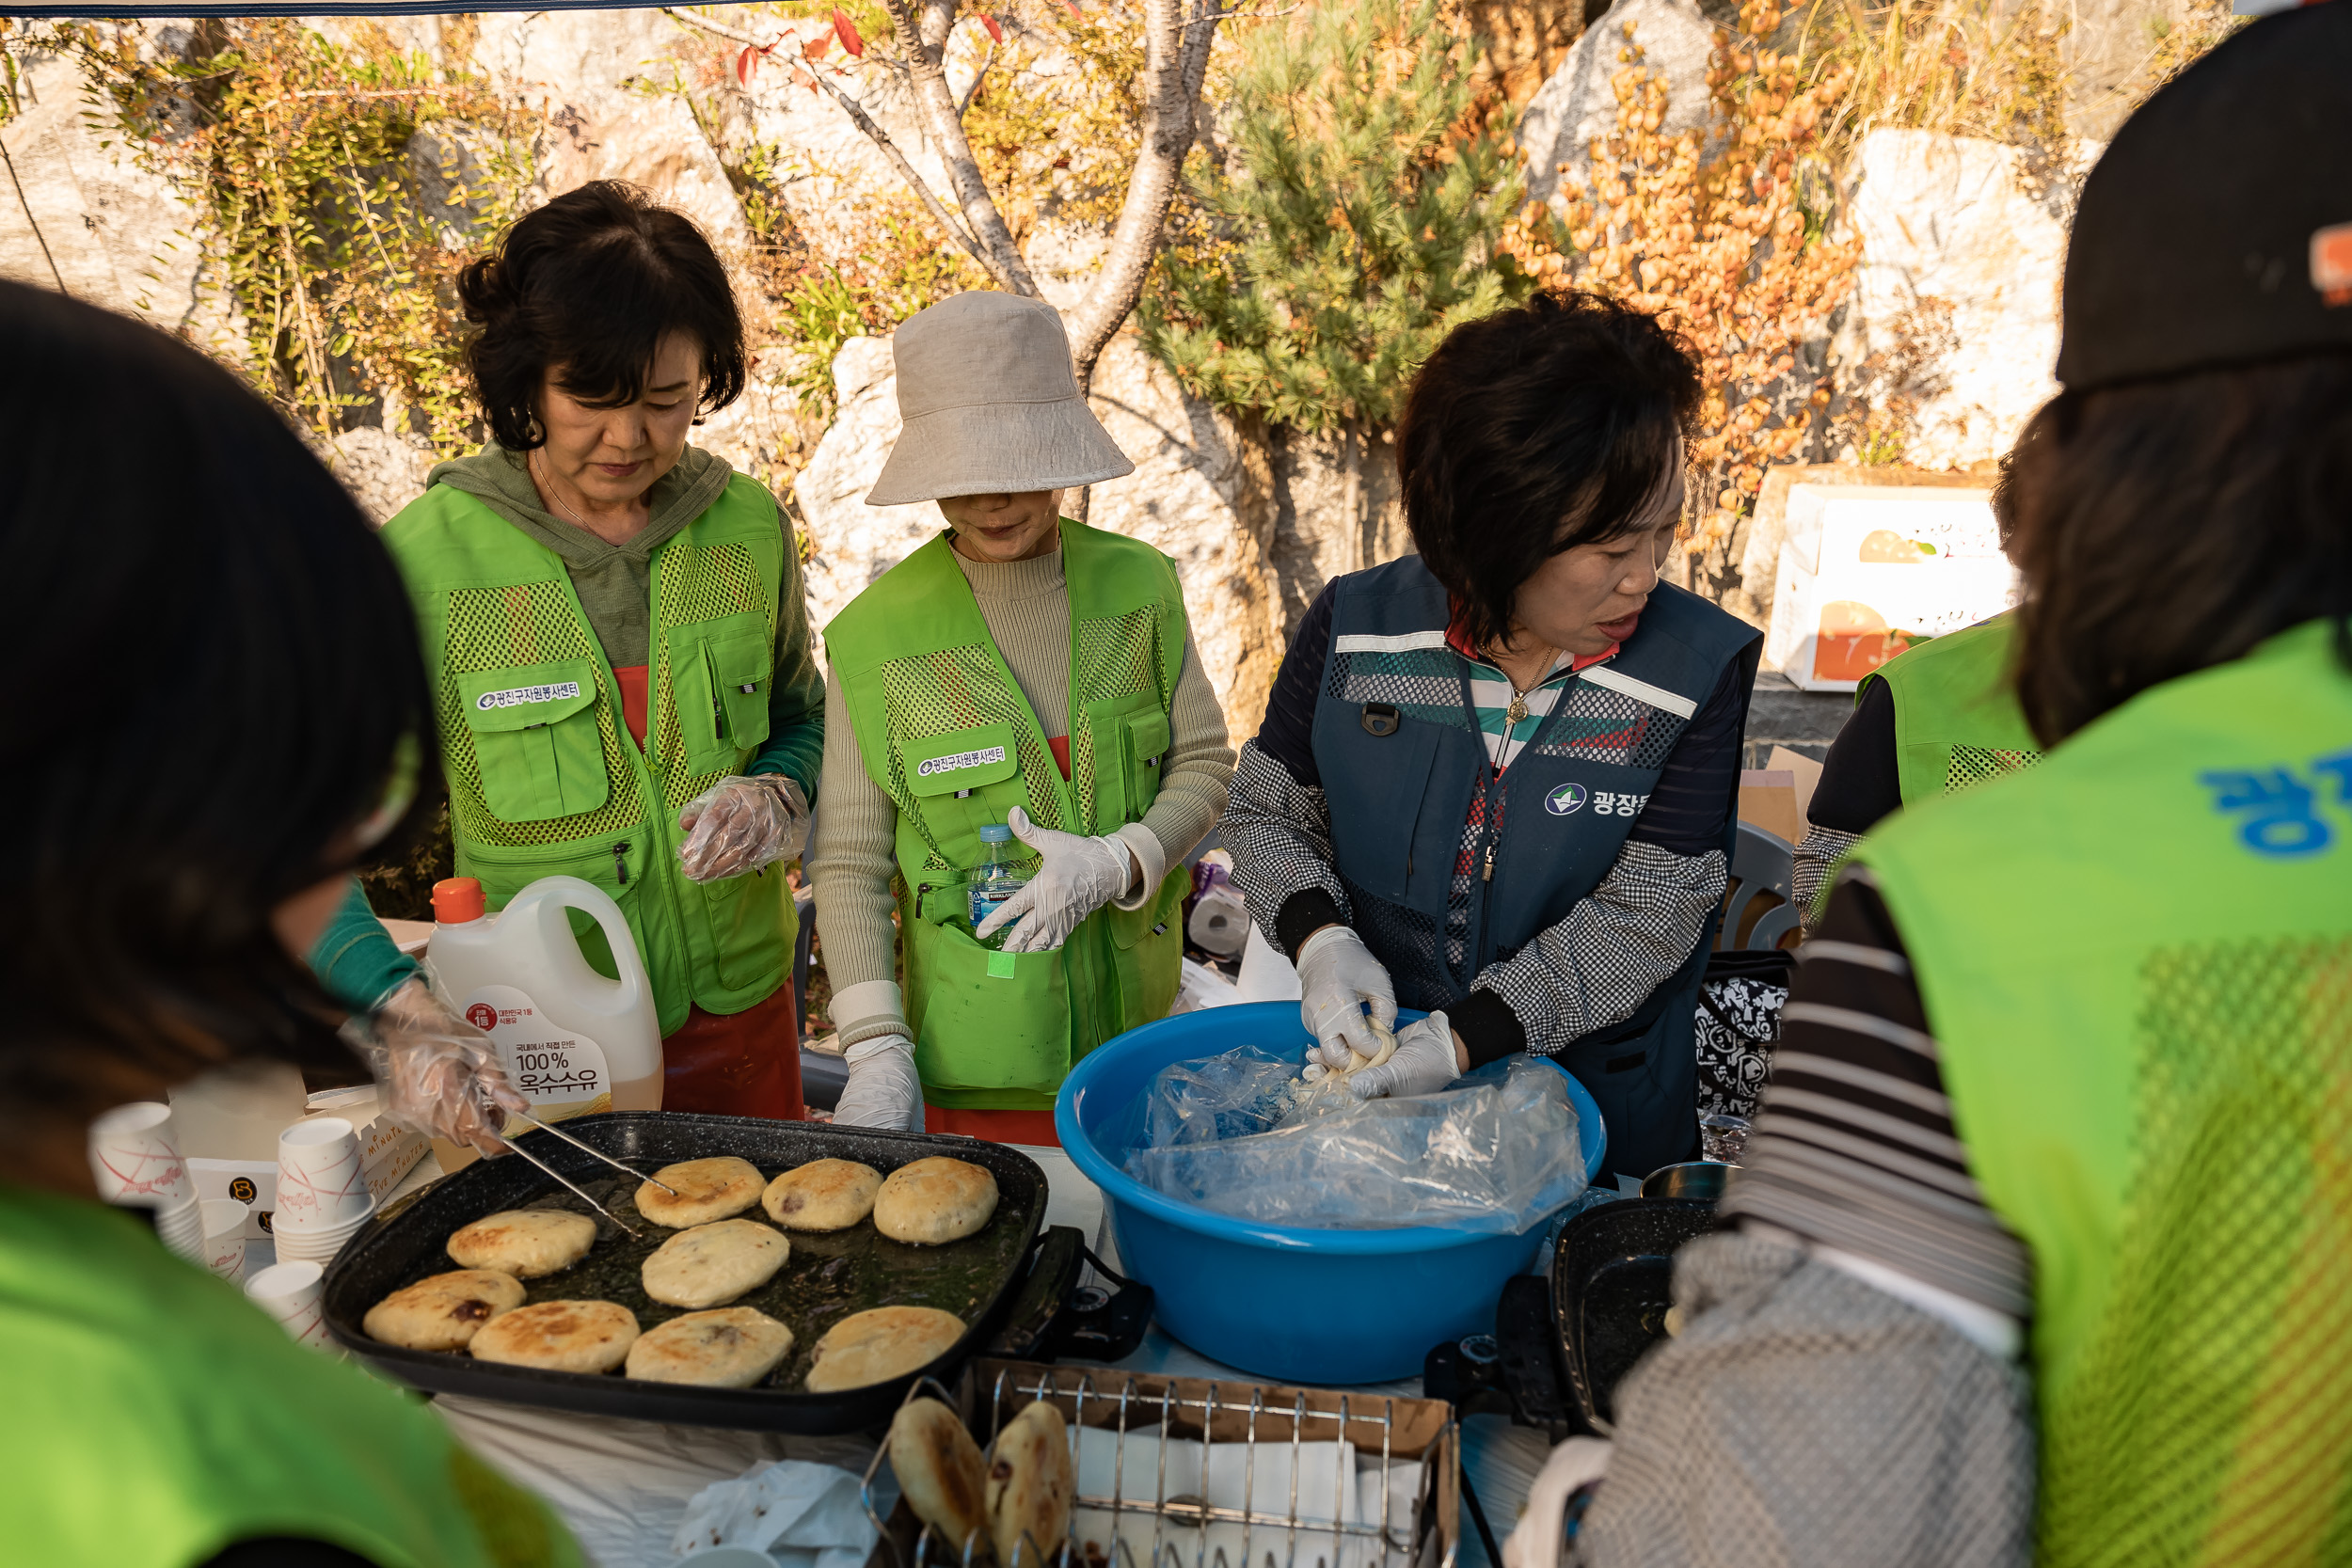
(573, 1042)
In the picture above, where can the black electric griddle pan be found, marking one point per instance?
(827, 1277)
(1612, 1282)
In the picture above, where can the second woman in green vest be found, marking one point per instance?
(616, 627)
(1019, 671)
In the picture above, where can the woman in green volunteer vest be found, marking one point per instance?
(618, 637)
(1935, 719)
(219, 603)
(1024, 673)
(2044, 1246)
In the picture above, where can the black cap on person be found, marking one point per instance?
(2216, 230)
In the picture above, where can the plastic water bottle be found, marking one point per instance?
(996, 880)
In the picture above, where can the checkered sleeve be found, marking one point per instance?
(1820, 853)
(1279, 832)
(1619, 943)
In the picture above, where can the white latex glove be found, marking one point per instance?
(1075, 877)
(1423, 1063)
(1542, 1529)
(1338, 977)
(883, 1090)
(440, 1076)
(740, 824)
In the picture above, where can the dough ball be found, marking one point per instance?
(1030, 1487)
(935, 1201)
(706, 1190)
(559, 1336)
(443, 1312)
(940, 1473)
(525, 1242)
(732, 1347)
(823, 1194)
(713, 1264)
(874, 1347)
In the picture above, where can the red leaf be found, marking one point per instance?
(803, 78)
(815, 48)
(846, 30)
(995, 29)
(1074, 9)
(747, 63)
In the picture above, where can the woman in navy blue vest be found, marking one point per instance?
(1498, 779)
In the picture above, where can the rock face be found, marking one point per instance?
(383, 471)
(1955, 312)
(1578, 104)
(94, 224)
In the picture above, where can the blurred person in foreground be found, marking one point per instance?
(218, 602)
(619, 640)
(2043, 1248)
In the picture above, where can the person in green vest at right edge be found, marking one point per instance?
(1934, 720)
(1023, 676)
(2043, 1247)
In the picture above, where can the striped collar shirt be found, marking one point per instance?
(1491, 691)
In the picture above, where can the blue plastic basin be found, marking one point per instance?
(1317, 1307)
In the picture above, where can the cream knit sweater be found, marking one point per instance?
(852, 857)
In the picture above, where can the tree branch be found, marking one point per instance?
(925, 43)
(865, 123)
(1176, 38)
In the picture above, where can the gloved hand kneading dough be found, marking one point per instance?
(1075, 877)
(1423, 1062)
(740, 824)
(440, 1076)
(1338, 977)
(883, 1089)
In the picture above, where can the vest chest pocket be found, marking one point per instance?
(1130, 738)
(535, 739)
(963, 779)
(721, 674)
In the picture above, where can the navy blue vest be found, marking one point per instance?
(1403, 763)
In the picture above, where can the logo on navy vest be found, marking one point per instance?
(1567, 797)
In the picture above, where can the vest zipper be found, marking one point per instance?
(620, 861)
(1490, 862)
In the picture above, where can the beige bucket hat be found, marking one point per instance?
(991, 406)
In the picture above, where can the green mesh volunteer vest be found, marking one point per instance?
(945, 731)
(1957, 724)
(543, 776)
(156, 1417)
(2137, 960)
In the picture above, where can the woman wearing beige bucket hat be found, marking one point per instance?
(1021, 671)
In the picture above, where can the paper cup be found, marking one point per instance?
(319, 1247)
(135, 1159)
(321, 1183)
(181, 1227)
(224, 1236)
(290, 1293)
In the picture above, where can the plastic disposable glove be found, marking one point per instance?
(1423, 1063)
(1338, 977)
(883, 1089)
(740, 824)
(1075, 877)
(1542, 1532)
(440, 1076)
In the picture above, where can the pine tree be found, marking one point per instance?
(1358, 230)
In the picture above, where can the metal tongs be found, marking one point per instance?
(545, 1169)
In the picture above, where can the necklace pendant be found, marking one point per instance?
(1517, 712)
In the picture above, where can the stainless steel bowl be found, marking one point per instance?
(1698, 1180)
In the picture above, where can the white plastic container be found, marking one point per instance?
(573, 1042)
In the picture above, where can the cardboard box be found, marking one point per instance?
(1767, 799)
(387, 1153)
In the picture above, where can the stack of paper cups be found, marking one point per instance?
(138, 1165)
(322, 1195)
(224, 1236)
(290, 1293)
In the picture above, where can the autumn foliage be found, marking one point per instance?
(1724, 232)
